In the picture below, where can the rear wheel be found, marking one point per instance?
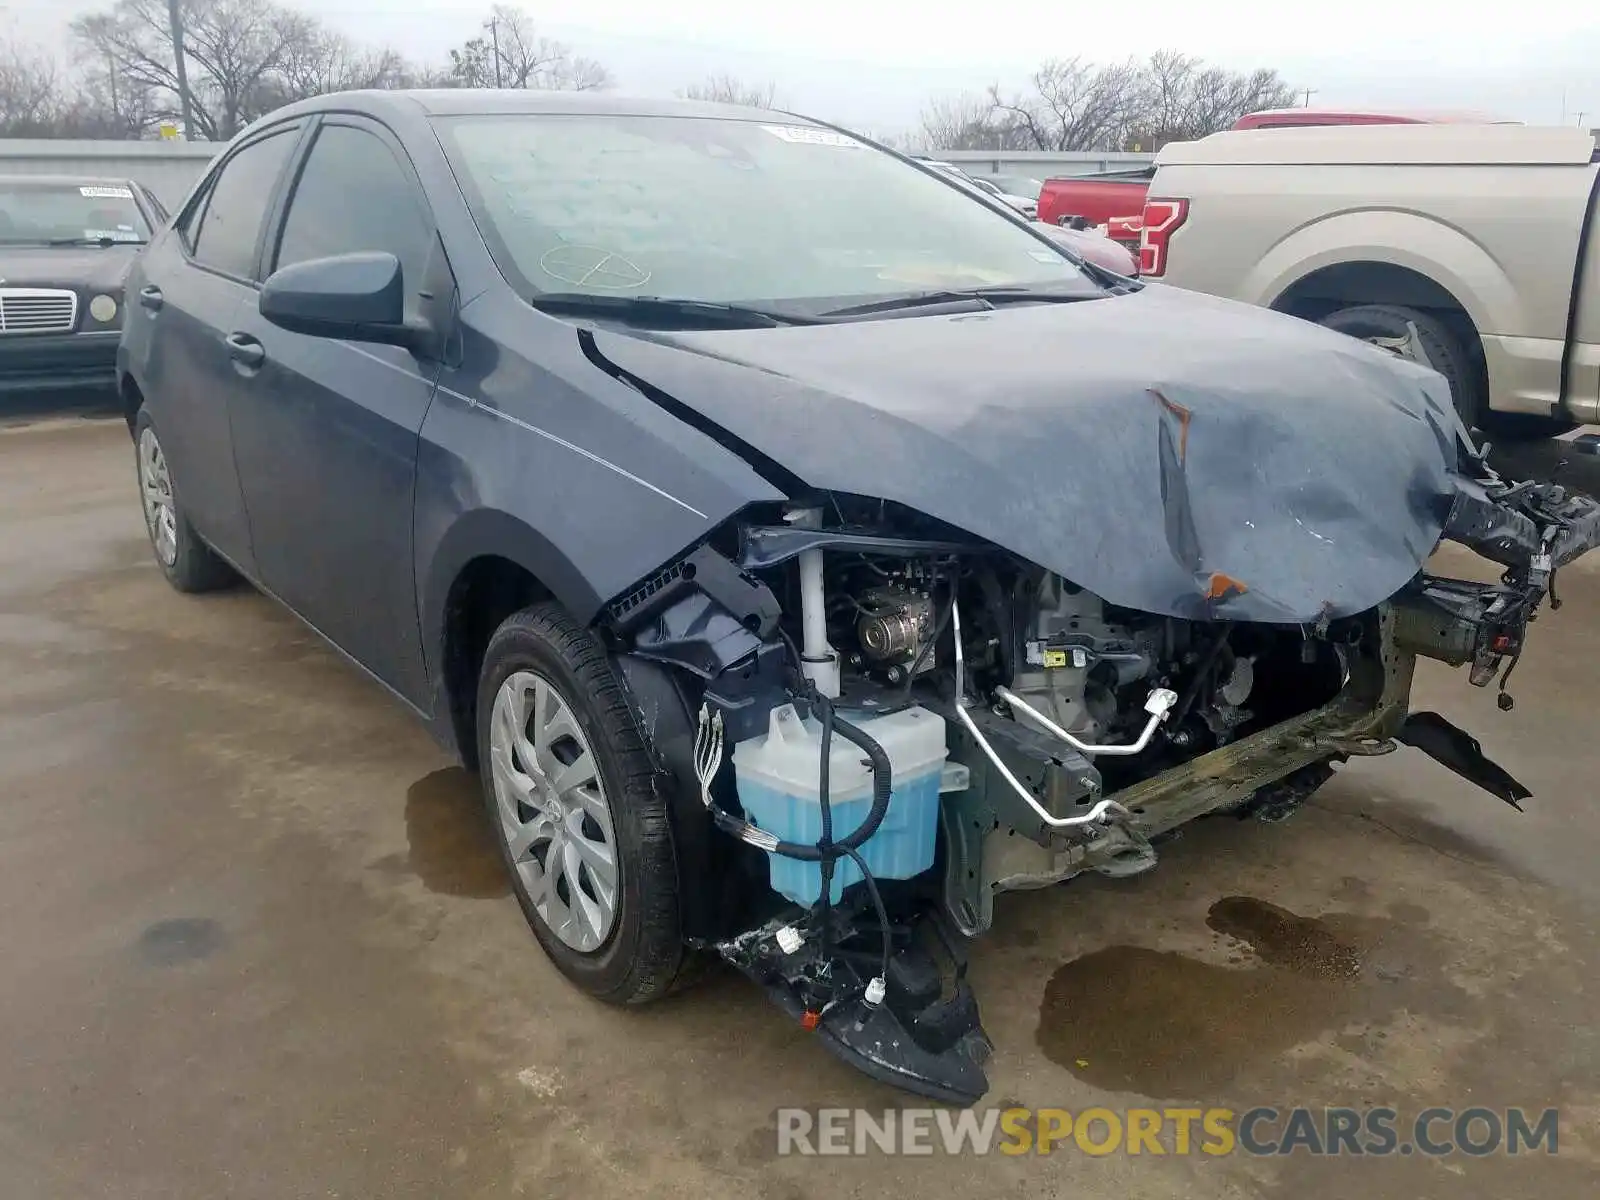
(570, 791)
(187, 562)
(1386, 325)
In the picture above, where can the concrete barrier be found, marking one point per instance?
(168, 169)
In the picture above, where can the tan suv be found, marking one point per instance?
(1466, 245)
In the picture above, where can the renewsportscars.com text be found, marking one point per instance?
(1097, 1132)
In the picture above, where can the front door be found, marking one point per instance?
(326, 431)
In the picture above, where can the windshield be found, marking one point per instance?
(729, 211)
(68, 213)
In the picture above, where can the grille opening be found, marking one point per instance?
(38, 310)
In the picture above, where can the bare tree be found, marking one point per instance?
(513, 54)
(968, 122)
(241, 59)
(321, 60)
(1074, 105)
(1071, 104)
(106, 104)
(1184, 99)
(233, 48)
(30, 96)
(729, 89)
(39, 98)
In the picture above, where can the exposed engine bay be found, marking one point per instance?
(876, 724)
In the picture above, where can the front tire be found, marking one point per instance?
(569, 786)
(187, 562)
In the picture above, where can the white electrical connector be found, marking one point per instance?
(790, 939)
(877, 989)
(1160, 702)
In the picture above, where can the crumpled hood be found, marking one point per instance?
(87, 269)
(1171, 452)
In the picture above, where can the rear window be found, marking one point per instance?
(45, 213)
(731, 211)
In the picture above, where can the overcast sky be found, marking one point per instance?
(874, 64)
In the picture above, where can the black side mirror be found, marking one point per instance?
(1586, 443)
(356, 296)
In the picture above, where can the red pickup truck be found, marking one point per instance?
(1113, 201)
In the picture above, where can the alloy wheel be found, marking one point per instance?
(155, 484)
(553, 810)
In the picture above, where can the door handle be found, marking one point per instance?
(150, 297)
(245, 350)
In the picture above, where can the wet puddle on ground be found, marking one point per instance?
(1128, 1018)
(180, 940)
(452, 848)
(1302, 944)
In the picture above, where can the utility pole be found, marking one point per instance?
(111, 76)
(494, 37)
(1308, 93)
(180, 68)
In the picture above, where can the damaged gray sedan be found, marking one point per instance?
(805, 552)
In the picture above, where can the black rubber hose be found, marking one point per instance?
(882, 783)
(825, 850)
(877, 903)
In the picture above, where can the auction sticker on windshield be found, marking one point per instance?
(808, 136)
(107, 193)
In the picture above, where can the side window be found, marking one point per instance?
(354, 195)
(231, 222)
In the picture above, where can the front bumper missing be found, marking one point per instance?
(1271, 771)
(1362, 719)
(986, 858)
(926, 1037)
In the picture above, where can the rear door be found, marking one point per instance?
(326, 431)
(181, 302)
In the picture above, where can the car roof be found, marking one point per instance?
(451, 102)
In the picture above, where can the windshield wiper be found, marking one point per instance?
(988, 297)
(99, 241)
(736, 316)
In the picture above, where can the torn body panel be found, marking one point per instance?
(1212, 454)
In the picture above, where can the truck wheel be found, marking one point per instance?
(570, 789)
(1445, 352)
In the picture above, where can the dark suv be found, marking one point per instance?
(806, 550)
